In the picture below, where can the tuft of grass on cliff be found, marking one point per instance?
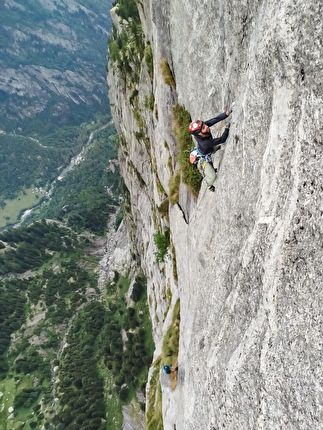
(189, 173)
(167, 73)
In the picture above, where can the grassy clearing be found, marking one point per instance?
(26, 199)
(114, 415)
(8, 388)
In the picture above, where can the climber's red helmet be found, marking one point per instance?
(196, 126)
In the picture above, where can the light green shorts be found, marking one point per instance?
(209, 172)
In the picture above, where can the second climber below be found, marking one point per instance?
(202, 134)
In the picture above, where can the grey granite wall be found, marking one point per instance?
(249, 259)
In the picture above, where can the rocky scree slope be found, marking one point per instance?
(249, 256)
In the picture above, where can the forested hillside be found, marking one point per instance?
(52, 292)
(52, 92)
(89, 193)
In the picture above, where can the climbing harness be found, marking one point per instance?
(196, 154)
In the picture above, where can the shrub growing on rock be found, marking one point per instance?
(162, 242)
(167, 74)
(189, 174)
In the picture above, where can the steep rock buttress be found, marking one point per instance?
(248, 256)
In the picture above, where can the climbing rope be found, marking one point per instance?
(221, 123)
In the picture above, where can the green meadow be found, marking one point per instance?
(10, 212)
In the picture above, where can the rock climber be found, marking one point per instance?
(168, 369)
(206, 144)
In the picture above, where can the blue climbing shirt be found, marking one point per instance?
(167, 369)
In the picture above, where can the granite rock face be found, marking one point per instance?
(249, 256)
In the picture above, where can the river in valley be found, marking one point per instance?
(77, 159)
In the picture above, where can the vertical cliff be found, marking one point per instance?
(245, 261)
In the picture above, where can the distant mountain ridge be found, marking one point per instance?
(52, 56)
